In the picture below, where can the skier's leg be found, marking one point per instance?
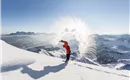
(67, 57)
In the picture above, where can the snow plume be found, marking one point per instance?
(72, 29)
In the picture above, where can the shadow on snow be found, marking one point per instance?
(47, 69)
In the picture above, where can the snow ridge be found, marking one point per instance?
(25, 65)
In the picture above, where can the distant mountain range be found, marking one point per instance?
(22, 33)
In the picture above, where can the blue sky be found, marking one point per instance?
(102, 16)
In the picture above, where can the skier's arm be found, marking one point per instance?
(62, 41)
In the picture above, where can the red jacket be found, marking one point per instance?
(67, 47)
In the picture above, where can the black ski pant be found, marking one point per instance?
(67, 57)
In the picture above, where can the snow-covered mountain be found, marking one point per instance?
(111, 51)
(18, 64)
(106, 50)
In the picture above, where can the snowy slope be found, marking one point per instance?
(23, 65)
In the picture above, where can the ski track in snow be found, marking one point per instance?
(101, 70)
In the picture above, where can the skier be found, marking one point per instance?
(68, 51)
